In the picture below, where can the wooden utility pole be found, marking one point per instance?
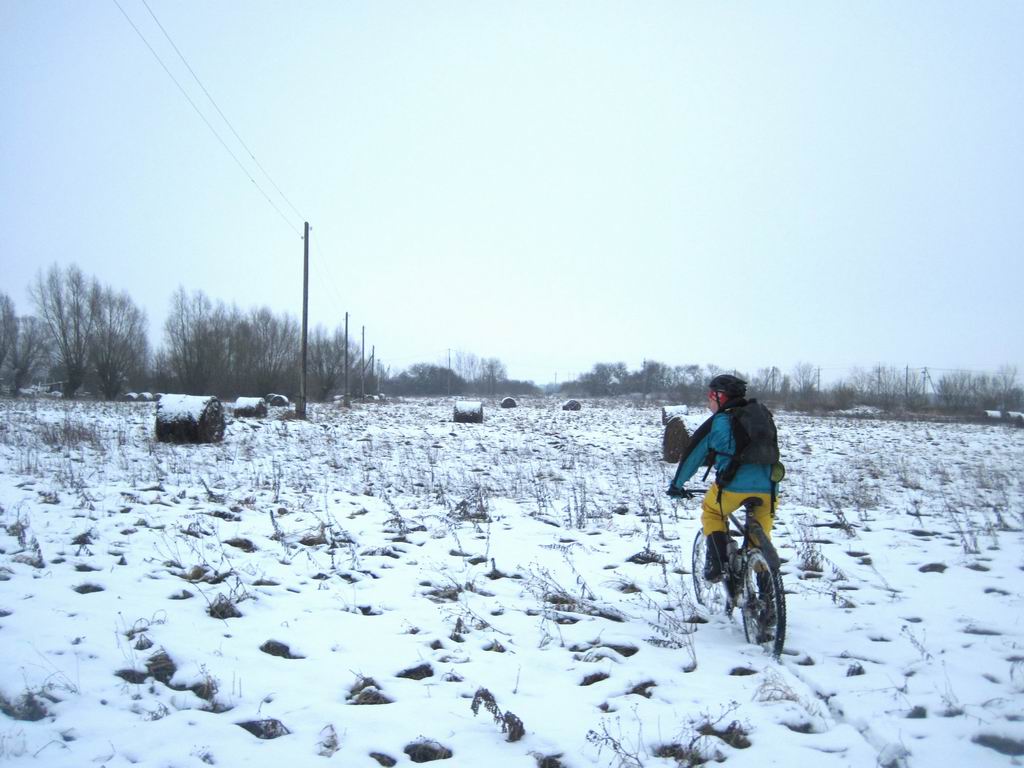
(362, 366)
(300, 407)
(348, 400)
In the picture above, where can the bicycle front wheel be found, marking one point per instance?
(708, 593)
(763, 604)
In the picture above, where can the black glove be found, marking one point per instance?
(679, 493)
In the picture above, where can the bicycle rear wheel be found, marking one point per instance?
(708, 593)
(763, 604)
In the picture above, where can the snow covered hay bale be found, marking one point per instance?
(675, 440)
(571, 405)
(278, 401)
(146, 397)
(251, 407)
(669, 412)
(469, 412)
(509, 402)
(129, 397)
(189, 419)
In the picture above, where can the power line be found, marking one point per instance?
(203, 118)
(221, 113)
(325, 263)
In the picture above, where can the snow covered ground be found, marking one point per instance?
(382, 586)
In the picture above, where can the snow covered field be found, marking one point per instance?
(383, 586)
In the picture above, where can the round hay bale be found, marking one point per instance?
(278, 401)
(189, 419)
(509, 402)
(675, 440)
(571, 405)
(250, 407)
(469, 412)
(129, 397)
(669, 412)
(146, 397)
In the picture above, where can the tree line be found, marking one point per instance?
(488, 379)
(885, 387)
(85, 336)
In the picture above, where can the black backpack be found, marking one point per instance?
(757, 441)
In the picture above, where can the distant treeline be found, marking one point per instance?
(84, 336)
(485, 377)
(885, 387)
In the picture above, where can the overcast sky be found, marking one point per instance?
(550, 183)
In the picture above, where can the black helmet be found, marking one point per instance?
(733, 386)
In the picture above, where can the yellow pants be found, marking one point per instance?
(714, 513)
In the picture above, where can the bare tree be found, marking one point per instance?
(1005, 385)
(986, 392)
(654, 376)
(842, 395)
(29, 353)
(8, 326)
(690, 381)
(194, 342)
(236, 375)
(466, 365)
(67, 301)
(804, 380)
(275, 350)
(956, 390)
(326, 360)
(492, 371)
(767, 382)
(119, 347)
(427, 379)
(713, 370)
(604, 379)
(261, 351)
(161, 373)
(888, 385)
(913, 390)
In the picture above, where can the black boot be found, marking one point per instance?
(717, 552)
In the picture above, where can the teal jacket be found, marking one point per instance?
(714, 438)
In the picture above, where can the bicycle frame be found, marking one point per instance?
(754, 536)
(752, 580)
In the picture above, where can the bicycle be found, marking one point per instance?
(751, 581)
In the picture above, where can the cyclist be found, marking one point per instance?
(712, 444)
